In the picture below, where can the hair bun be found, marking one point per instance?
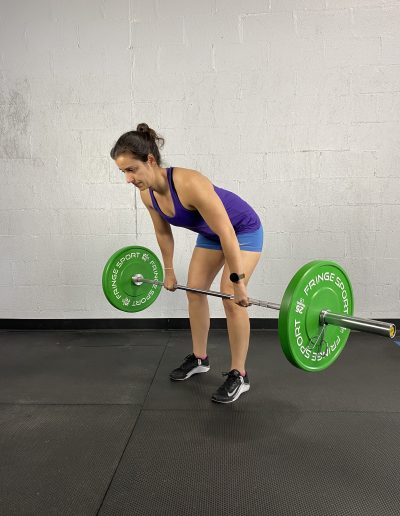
(143, 128)
(149, 134)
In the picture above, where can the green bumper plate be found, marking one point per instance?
(317, 286)
(118, 286)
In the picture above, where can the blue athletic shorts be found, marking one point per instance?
(247, 241)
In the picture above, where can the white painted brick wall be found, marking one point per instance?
(296, 99)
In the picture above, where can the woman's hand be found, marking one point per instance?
(240, 293)
(170, 280)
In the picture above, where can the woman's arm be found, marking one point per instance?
(200, 193)
(164, 236)
(165, 241)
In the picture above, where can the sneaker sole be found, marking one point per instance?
(241, 390)
(196, 370)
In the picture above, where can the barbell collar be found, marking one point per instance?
(357, 323)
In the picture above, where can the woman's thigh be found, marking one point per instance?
(204, 266)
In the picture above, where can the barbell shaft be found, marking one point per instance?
(326, 317)
(214, 293)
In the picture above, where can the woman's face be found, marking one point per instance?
(136, 172)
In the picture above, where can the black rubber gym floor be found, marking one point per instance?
(91, 424)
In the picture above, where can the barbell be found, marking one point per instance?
(315, 315)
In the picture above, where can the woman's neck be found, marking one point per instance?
(160, 185)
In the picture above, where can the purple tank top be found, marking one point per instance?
(242, 216)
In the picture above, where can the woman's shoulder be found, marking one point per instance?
(187, 177)
(189, 184)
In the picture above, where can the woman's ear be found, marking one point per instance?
(151, 160)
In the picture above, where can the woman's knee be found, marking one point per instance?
(230, 306)
(195, 297)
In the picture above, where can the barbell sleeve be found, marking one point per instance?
(356, 323)
(326, 317)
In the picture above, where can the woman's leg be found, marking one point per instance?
(204, 266)
(237, 317)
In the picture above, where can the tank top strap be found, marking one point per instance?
(175, 199)
(170, 181)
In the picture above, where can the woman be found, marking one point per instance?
(230, 235)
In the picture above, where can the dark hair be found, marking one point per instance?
(139, 143)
